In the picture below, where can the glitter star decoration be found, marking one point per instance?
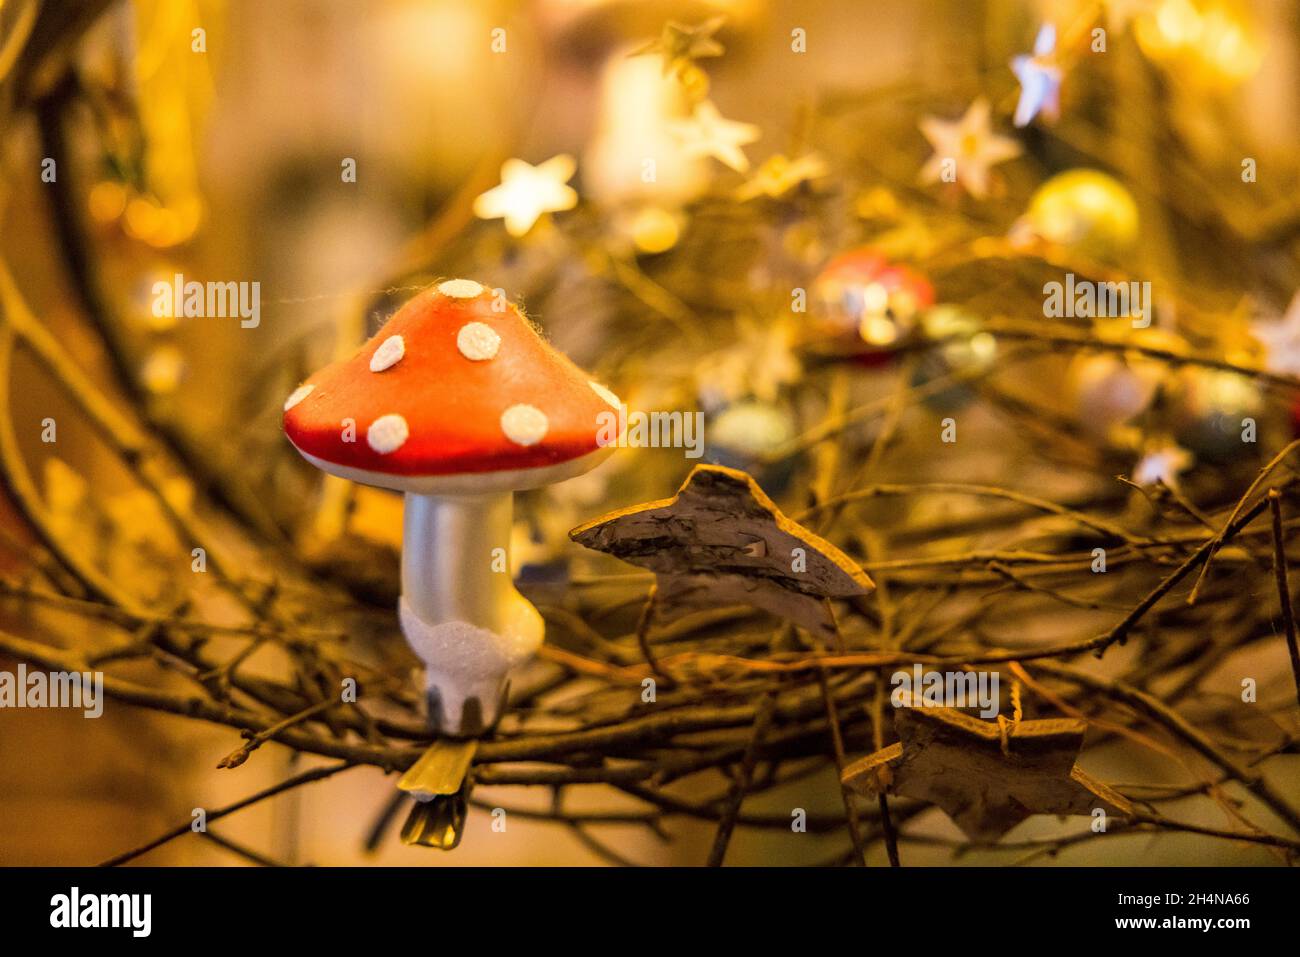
(1281, 340)
(1040, 79)
(987, 777)
(706, 133)
(760, 363)
(970, 145)
(681, 45)
(721, 541)
(778, 174)
(526, 192)
(1163, 464)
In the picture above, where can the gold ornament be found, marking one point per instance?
(779, 174)
(1085, 210)
(1206, 46)
(694, 82)
(655, 229)
(680, 45)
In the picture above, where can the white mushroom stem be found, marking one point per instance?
(448, 555)
(460, 610)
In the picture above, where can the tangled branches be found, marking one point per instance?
(1143, 608)
(743, 698)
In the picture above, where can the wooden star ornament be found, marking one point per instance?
(721, 541)
(985, 776)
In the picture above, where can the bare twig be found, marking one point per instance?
(1283, 589)
(298, 780)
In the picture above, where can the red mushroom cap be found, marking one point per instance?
(456, 393)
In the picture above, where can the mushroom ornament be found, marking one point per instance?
(458, 403)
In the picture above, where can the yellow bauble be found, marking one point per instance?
(694, 81)
(655, 229)
(1085, 210)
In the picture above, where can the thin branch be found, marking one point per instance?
(298, 780)
(1283, 588)
(744, 775)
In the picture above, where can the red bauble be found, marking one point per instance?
(867, 305)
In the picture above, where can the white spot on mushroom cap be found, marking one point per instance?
(460, 288)
(478, 341)
(388, 433)
(297, 395)
(388, 354)
(605, 394)
(524, 424)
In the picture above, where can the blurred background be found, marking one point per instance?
(333, 151)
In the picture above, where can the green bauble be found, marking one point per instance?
(744, 434)
(961, 347)
(1210, 412)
